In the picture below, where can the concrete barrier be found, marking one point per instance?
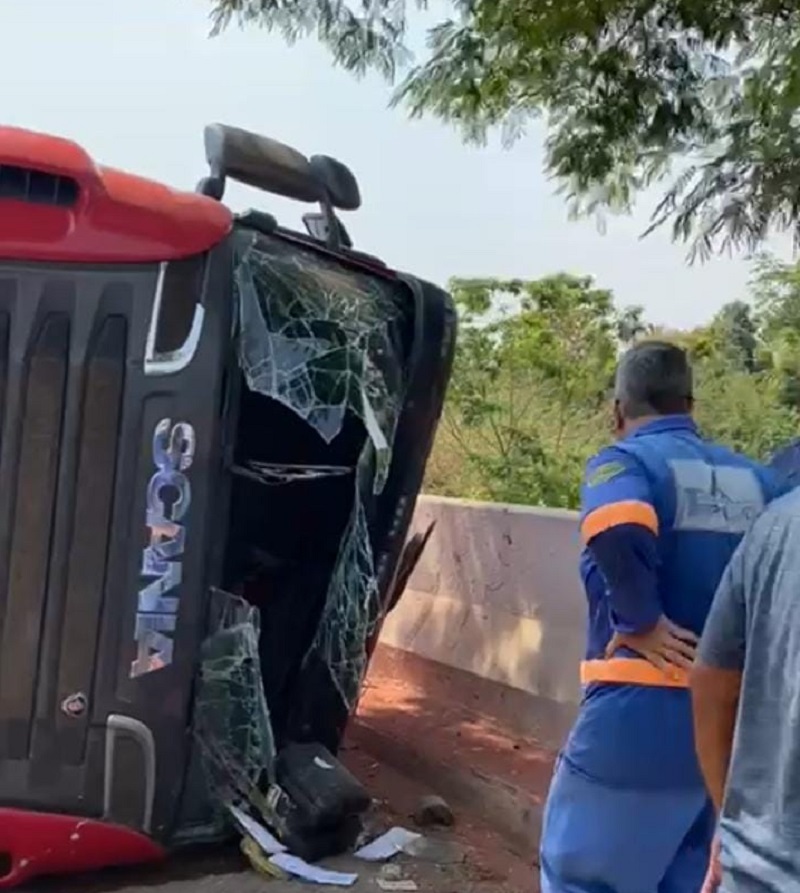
(474, 683)
(497, 594)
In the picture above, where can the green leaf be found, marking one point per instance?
(698, 95)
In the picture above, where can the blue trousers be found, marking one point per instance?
(599, 839)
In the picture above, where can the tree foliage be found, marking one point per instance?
(700, 94)
(532, 358)
(530, 397)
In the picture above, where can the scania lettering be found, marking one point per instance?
(169, 495)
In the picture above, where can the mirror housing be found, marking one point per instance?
(259, 161)
(275, 167)
(338, 180)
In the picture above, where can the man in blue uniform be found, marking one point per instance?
(662, 512)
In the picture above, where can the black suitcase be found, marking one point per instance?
(322, 792)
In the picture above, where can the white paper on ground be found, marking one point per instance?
(258, 832)
(404, 885)
(297, 867)
(394, 841)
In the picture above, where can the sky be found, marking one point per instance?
(135, 83)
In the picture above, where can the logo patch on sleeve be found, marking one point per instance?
(605, 473)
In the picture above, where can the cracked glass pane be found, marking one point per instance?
(322, 339)
(271, 473)
(352, 604)
(232, 721)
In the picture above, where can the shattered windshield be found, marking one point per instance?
(325, 341)
(232, 723)
(321, 339)
(352, 606)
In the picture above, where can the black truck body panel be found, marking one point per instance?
(119, 390)
(80, 411)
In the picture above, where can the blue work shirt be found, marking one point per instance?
(662, 513)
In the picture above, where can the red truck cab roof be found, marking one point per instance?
(58, 205)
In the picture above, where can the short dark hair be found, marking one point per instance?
(653, 378)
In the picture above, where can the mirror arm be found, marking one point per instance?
(334, 235)
(213, 185)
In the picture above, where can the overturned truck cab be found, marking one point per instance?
(213, 431)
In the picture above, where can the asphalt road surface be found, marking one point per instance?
(225, 871)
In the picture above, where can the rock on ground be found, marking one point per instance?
(432, 811)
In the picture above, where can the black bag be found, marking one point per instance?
(319, 791)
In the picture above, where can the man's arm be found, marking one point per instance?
(619, 526)
(716, 678)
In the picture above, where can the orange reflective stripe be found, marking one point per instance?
(630, 511)
(632, 671)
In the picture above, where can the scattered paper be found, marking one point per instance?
(404, 885)
(271, 845)
(298, 868)
(394, 841)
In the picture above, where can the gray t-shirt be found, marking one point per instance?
(754, 626)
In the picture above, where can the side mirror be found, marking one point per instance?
(338, 181)
(261, 162)
(277, 168)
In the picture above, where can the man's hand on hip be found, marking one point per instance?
(665, 645)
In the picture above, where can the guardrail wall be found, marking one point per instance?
(497, 594)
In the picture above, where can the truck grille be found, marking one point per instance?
(62, 374)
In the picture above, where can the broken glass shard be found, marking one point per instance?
(352, 603)
(232, 722)
(322, 339)
(272, 473)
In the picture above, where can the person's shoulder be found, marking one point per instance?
(785, 462)
(788, 452)
(785, 507)
(772, 541)
(612, 477)
(773, 483)
(777, 527)
(607, 464)
(722, 454)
